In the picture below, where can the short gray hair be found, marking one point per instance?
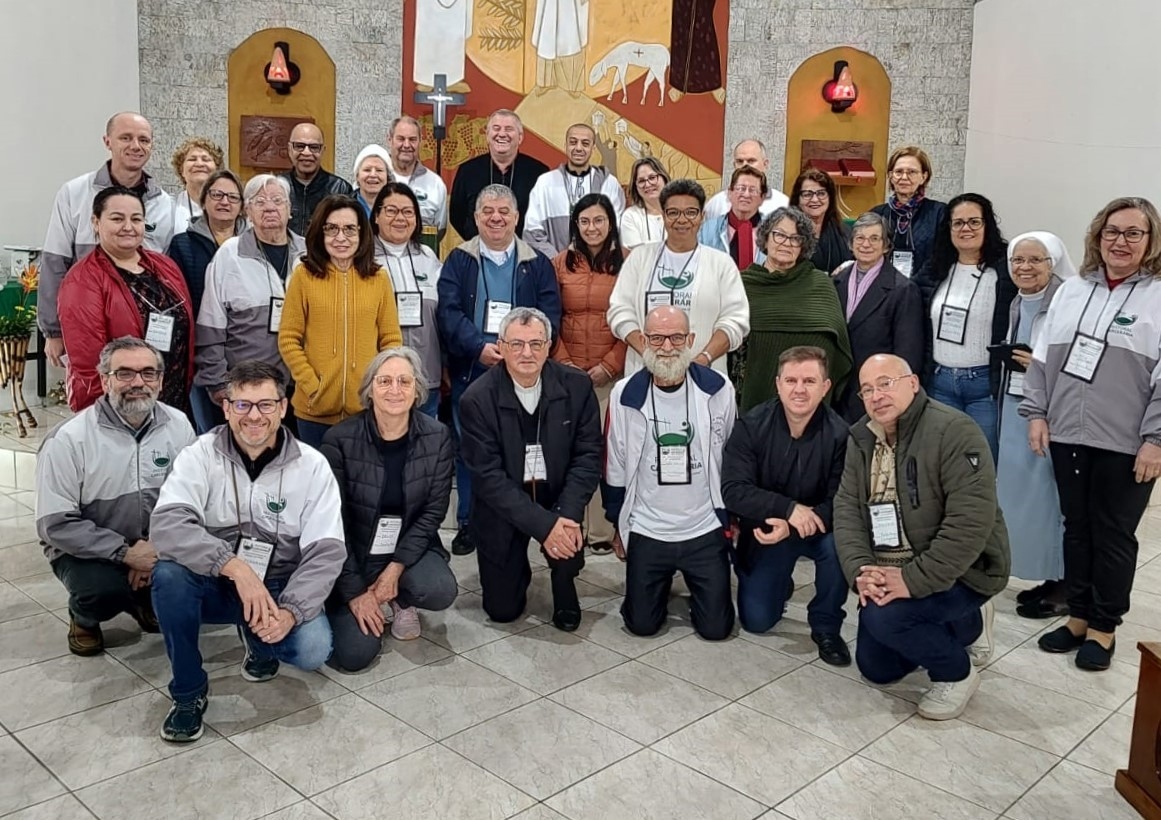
(761, 145)
(871, 220)
(105, 360)
(496, 191)
(404, 119)
(802, 224)
(382, 357)
(524, 316)
(507, 112)
(258, 183)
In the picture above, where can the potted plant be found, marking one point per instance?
(16, 327)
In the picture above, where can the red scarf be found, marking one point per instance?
(742, 245)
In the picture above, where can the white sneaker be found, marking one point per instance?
(947, 699)
(981, 651)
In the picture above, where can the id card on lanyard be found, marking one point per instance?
(903, 262)
(387, 530)
(1087, 349)
(1015, 384)
(159, 332)
(276, 304)
(664, 298)
(253, 551)
(494, 309)
(408, 299)
(674, 463)
(952, 318)
(884, 525)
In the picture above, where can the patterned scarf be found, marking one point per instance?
(905, 212)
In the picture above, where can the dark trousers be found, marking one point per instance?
(98, 590)
(427, 584)
(1102, 505)
(764, 586)
(463, 475)
(704, 562)
(933, 632)
(505, 575)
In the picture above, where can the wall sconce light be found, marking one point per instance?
(841, 91)
(281, 74)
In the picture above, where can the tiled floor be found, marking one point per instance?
(477, 720)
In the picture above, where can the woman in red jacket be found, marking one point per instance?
(121, 289)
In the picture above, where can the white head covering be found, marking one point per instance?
(1061, 262)
(372, 150)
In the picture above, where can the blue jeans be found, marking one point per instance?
(207, 415)
(463, 477)
(431, 406)
(933, 632)
(763, 588)
(968, 389)
(184, 600)
(311, 432)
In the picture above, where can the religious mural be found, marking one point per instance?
(648, 75)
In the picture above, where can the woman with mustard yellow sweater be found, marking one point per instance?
(339, 312)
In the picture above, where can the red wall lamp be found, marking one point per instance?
(281, 74)
(840, 91)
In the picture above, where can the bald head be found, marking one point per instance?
(306, 131)
(305, 148)
(129, 138)
(751, 153)
(123, 119)
(888, 387)
(666, 320)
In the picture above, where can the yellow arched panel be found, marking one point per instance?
(809, 117)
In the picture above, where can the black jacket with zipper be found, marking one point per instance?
(305, 198)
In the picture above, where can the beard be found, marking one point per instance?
(137, 406)
(670, 369)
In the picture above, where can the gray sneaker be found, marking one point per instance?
(947, 699)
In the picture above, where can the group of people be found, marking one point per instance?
(696, 386)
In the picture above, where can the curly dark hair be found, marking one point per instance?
(993, 254)
(831, 217)
(317, 258)
(611, 256)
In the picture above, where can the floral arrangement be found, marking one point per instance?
(21, 321)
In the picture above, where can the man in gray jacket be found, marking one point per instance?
(248, 532)
(92, 510)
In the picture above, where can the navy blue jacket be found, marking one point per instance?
(920, 239)
(192, 251)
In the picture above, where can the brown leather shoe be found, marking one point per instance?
(146, 618)
(85, 642)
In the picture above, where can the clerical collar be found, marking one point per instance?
(255, 466)
(529, 397)
(497, 257)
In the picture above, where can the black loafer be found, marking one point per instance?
(566, 620)
(1093, 657)
(463, 544)
(1060, 640)
(1043, 590)
(1041, 609)
(832, 648)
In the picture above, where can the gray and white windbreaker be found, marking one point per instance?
(97, 480)
(294, 505)
(1121, 408)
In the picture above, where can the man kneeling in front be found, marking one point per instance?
(248, 532)
(920, 537)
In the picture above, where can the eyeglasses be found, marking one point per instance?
(658, 339)
(387, 382)
(1020, 261)
(873, 239)
(593, 222)
(975, 223)
(518, 345)
(819, 194)
(349, 231)
(649, 180)
(124, 374)
(265, 407)
(218, 196)
(274, 201)
(793, 240)
(304, 147)
(883, 385)
(903, 173)
(674, 214)
(746, 190)
(1132, 235)
(390, 211)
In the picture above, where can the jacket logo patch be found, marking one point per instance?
(1124, 320)
(275, 505)
(159, 459)
(974, 461)
(150, 227)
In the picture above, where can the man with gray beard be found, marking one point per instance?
(92, 507)
(667, 427)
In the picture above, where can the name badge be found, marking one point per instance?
(494, 313)
(386, 534)
(657, 298)
(409, 306)
(1016, 384)
(952, 324)
(673, 464)
(159, 331)
(1084, 357)
(885, 525)
(276, 304)
(256, 553)
(903, 260)
(534, 467)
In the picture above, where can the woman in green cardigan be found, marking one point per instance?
(791, 303)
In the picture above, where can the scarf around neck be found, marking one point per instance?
(742, 245)
(905, 212)
(800, 299)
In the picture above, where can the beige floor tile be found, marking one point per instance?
(639, 701)
(761, 757)
(1107, 689)
(540, 602)
(539, 812)
(1071, 790)
(31, 640)
(396, 658)
(447, 696)
(299, 811)
(105, 741)
(731, 668)
(541, 748)
(1129, 634)
(24, 781)
(633, 788)
(20, 555)
(237, 704)
(1144, 608)
(545, 659)
(220, 647)
(65, 807)
(324, 745)
(464, 626)
(217, 780)
(603, 624)
(432, 783)
(15, 604)
(26, 468)
(605, 571)
(1107, 749)
(911, 688)
(11, 507)
(63, 686)
(791, 635)
(830, 706)
(45, 589)
(1129, 707)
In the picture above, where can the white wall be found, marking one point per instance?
(1065, 110)
(65, 67)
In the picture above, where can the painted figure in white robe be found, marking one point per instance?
(559, 35)
(442, 28)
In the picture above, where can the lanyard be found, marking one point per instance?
(978, 276)
(1104, 307)
(487, 294)
(402, 274)
(680, 274)
(656, 434)
(158, 310)
(510, 174)
(238, 501)
(578, 190)
(269, 268)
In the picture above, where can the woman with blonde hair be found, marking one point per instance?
(193, 162)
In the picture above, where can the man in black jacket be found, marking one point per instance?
(782, 466)
(532, 441)
(309, 183)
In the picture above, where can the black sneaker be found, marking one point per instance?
(183, 724)
(255, 669)
(832, 649)
(462, 544)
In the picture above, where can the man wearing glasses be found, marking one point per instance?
(92, 510)
(248, 531)
(749, 153)
(309, 183)
(921, 538)
(531, 437)
(736, 232)
(701, 281)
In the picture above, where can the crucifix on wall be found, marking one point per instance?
(439, 98)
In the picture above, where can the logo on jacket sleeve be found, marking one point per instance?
(973, 460)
